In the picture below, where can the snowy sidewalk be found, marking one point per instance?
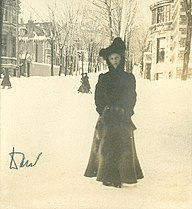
(45, 114)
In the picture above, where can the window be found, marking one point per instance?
(161, 14)
(48, 60)
(23, 32)
(14, 16)
(154, 16)
(48, 45)
(4, 45)
(5, 18)
(161, 50)
(55, 47)
(57, 61)
(14, 47)
(167, 13)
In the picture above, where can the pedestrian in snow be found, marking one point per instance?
(6, 80)
(113, 159)
(85, 85)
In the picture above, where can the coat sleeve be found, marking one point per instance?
(131, 96)
(100, 95)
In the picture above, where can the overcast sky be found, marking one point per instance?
(38, 9)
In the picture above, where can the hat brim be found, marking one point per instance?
(118, 46)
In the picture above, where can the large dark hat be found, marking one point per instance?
(118, 46)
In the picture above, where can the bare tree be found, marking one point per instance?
(120, 16)
(60, 35)
(143, 45)
(188, 9)
(130, 17)
(92, 37)
(104, 11)
(52, 36)
(110, 14)
(67, 21)
(77, 31)
(72, 27)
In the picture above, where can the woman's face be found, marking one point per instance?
(114, 59)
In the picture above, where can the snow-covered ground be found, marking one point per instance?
(45, 114)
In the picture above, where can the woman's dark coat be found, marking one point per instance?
(85, 86)
(6, 80)
(113, 155)
(116, 88)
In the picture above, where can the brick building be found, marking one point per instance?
(9, 35)
(164, 58)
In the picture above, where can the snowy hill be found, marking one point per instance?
(46, 114)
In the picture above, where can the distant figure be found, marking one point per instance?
(6, 80)
(85, 86)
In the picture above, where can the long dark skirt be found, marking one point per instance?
(6, 81)
(113, 156)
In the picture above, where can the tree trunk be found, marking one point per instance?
(186, 54)
(61, 61)
(90, 63)
(71, 64)
(110, 20)
(52, 57)
(123, 22)
(127, 64)
(186, 58)
(1, 26)
(82, 59)
(66, 61)
(76, 62)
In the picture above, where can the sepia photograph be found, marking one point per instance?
(96, 104)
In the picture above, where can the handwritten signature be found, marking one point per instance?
(23, 161)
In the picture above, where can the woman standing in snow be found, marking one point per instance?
(85, 85)
(113, 159)
(6, 80)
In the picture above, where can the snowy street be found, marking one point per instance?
(46, 114)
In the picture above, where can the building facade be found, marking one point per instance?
(35, 46)
(164, 58)
(9, 35)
